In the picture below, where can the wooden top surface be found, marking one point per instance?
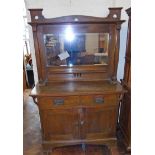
(76, 88)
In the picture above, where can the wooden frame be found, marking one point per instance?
(110, 24)
(79, 104)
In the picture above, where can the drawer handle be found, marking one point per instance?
(58, 101)
(99, 100)
(82, 122)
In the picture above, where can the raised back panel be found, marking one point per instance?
(93, 56)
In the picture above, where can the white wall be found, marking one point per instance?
(55, 8)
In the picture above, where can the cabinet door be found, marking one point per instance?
(100, 122)
(60, 124)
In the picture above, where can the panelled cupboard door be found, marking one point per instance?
(100, 122)
(60, 124)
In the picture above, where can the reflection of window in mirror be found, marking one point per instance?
(75, 48)
(53, 49)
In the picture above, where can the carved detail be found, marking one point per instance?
(37, 17)
(115, 13)
(47, 152)
(42, 83)
(77, 75)
(118, 27)
(113, 80)
(34, 28)
(36, 14)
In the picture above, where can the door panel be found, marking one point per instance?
(61, 124)
(100, 122)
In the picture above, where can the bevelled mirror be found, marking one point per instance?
(71, 48)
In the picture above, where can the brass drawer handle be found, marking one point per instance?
(99, 100)
(58, 101)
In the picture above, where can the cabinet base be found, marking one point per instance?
(110, 143)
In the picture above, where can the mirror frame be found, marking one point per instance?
(83, 24)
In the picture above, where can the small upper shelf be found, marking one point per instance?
(38, 18)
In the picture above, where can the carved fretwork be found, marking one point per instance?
(115, 13)
(113, 16)
(36, 14)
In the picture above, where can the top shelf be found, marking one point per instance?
(113, 17)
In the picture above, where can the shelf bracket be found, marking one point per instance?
(35, 100)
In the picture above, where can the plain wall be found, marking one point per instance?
(99, 8)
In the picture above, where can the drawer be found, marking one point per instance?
(56, 102)
(99, 100)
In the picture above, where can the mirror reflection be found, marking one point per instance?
(70, 48)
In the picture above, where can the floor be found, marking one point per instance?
(32, 135)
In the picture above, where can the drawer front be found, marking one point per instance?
(58, 102)
(99, 100)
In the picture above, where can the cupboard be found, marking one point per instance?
(77, 94)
